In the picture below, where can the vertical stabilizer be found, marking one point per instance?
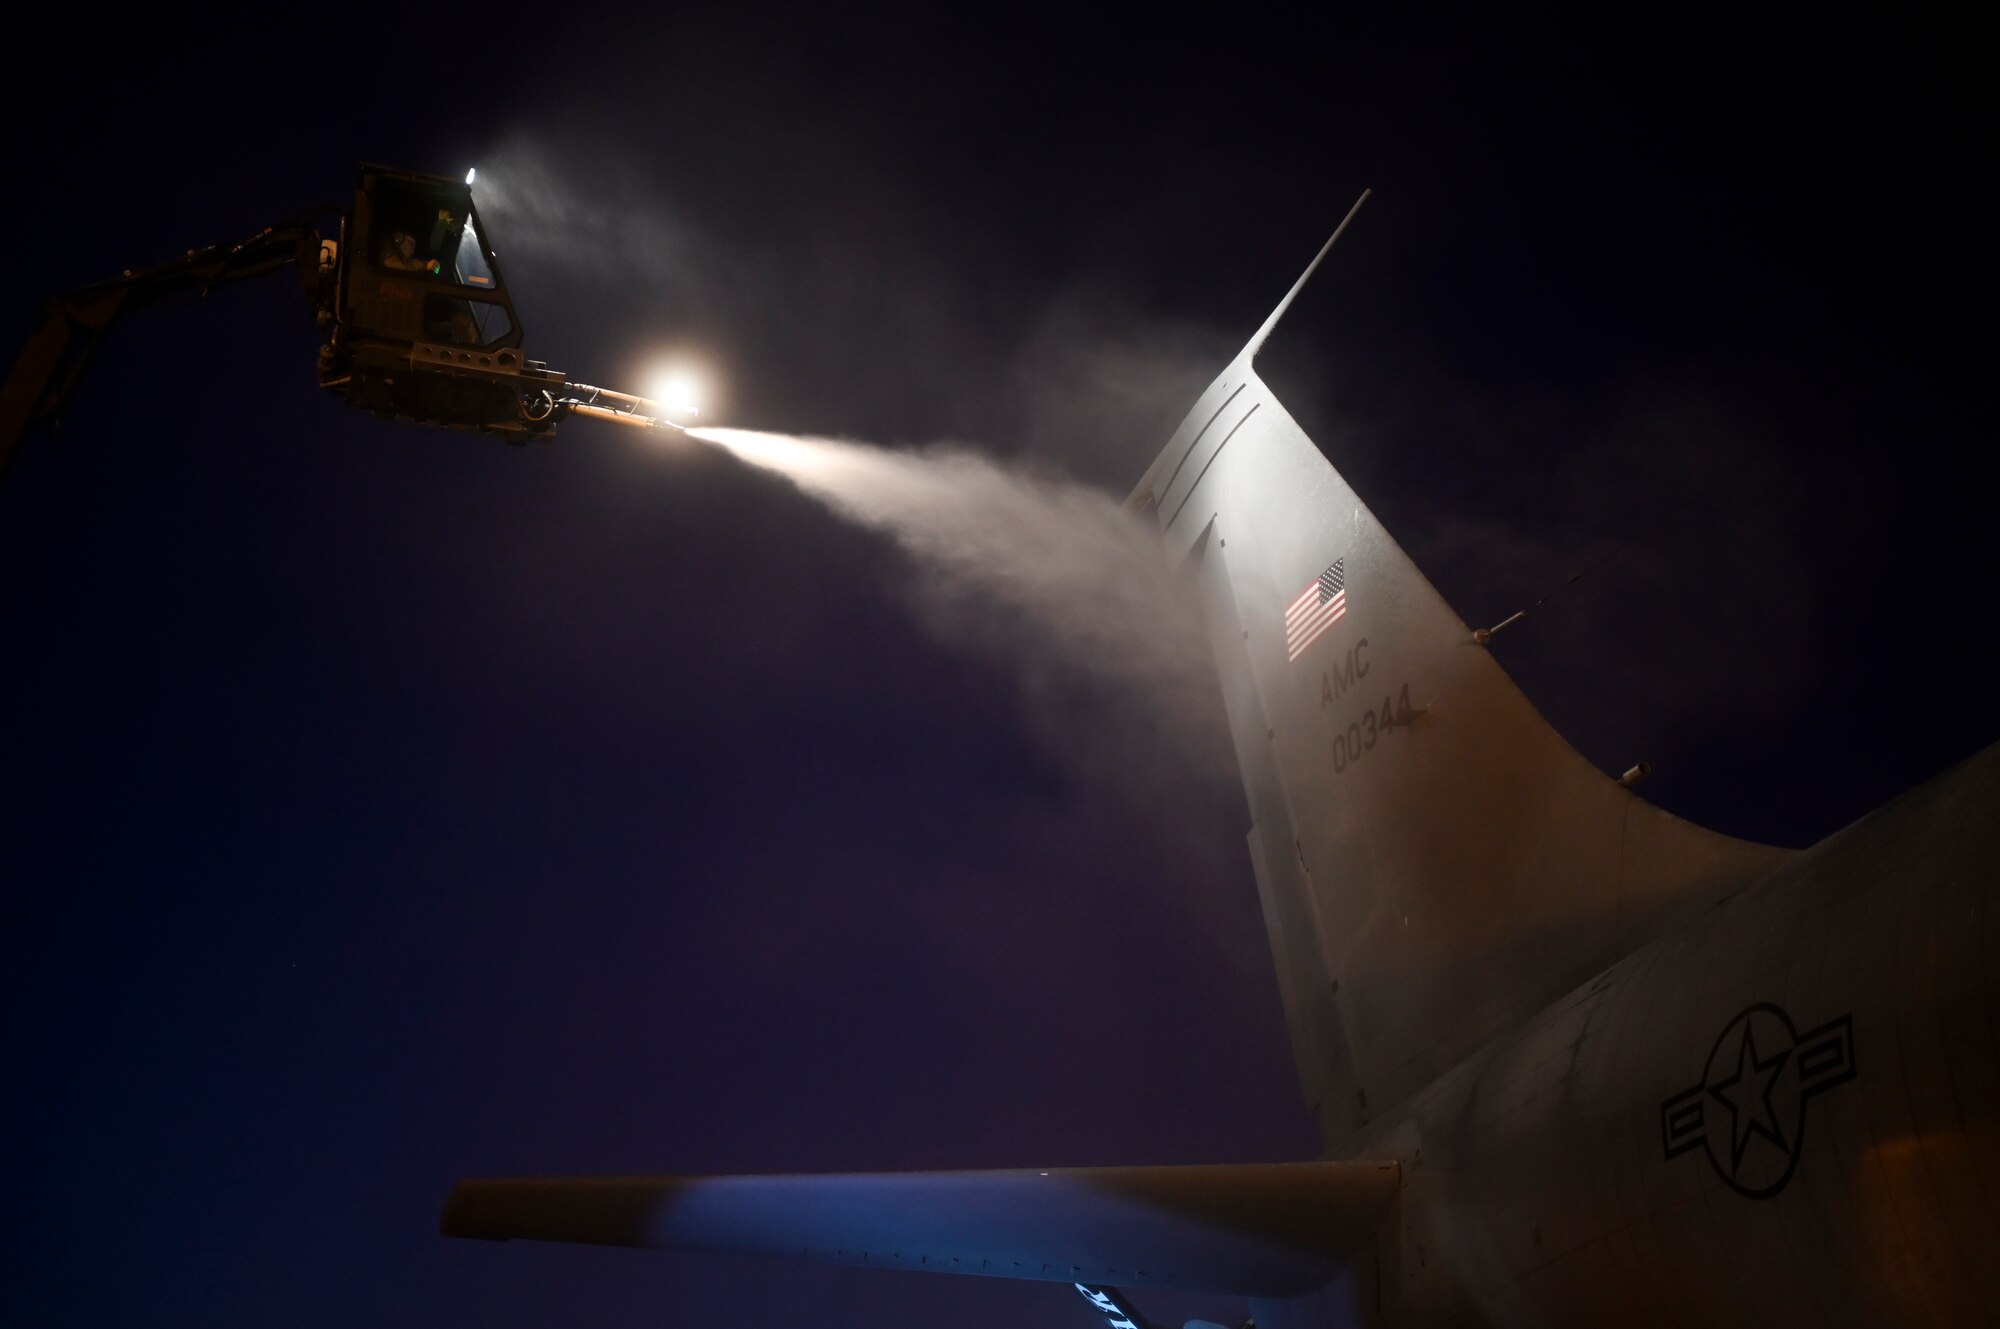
(1435, 862)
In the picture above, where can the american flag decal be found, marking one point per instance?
(1318, 608)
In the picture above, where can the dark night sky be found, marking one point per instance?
(383, 806)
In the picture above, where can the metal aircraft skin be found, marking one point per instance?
(1575, 1061)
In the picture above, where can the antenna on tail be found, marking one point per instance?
(1257, 341)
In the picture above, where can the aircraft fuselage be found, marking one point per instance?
(1784, 1112)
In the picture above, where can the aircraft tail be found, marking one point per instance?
(1434, 861)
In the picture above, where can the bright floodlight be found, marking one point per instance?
(678, 391)
(470, 173)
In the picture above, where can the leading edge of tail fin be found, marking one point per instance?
(1434, 861)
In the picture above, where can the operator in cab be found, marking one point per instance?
(399, 254)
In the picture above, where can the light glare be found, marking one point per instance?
(679, 392)
(470, 173)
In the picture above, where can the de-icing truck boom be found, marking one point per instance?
(413, 312)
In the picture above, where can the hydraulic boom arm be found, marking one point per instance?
(69, 327)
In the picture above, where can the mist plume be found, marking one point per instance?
(1043, 569)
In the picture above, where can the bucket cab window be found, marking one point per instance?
(423, 271)
(429, 230)
(470, 267)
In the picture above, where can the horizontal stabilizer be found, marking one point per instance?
(1260, 1230)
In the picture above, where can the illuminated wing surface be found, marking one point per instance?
(1259, 1230)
